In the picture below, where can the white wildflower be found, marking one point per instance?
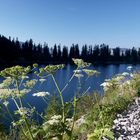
(30, 83)
(24, 77)
(79, 75)
(90, 72)
(125, 73)
(104, 84)
(14, 124)
(42, 80)
(131, 75)
(106, 80)
(2, 85)
(80, 121)
(128, 82)
(78, 62)
(119, 78)
(41, 94)
(24, 91)
(5, 93)
(6, 103)
(57, 117)
(23, 111)
(8, 77)
(69, 120)
(77, 71)
(129, 67)
(52, 122)
(7, 82)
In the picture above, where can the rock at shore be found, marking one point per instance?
(127, 125)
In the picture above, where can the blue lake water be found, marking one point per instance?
(63, 76)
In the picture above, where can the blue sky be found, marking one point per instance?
(114, 22)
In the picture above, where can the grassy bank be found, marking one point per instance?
(100, 111)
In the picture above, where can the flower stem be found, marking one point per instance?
(18, 92)
(22, 129)
(21, 105)
(100, 111)
(27, 124)
(68, 83)
(19, 110)
(9, 113)
(61, 98)
(74, 114)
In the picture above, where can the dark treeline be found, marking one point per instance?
(14, 52)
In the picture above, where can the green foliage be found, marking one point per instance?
(136, 83)
(54, 107)
(101, 111)
(100, 133)
(86, 104)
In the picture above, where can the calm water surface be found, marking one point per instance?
(63, 76)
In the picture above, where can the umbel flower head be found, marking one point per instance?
(78, 75)
(5, 93)
(24, 111)
(80, 63)
(129, 68)
(77, 71)
(42, 80)
(6, 103)
(106, 85)
(54, 120)
(50, 69)
(53, 68)
(16, 72)
(125, 73)
(90, 72)
(41, 94)
(30, 83)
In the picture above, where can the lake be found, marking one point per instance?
(63, 76)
